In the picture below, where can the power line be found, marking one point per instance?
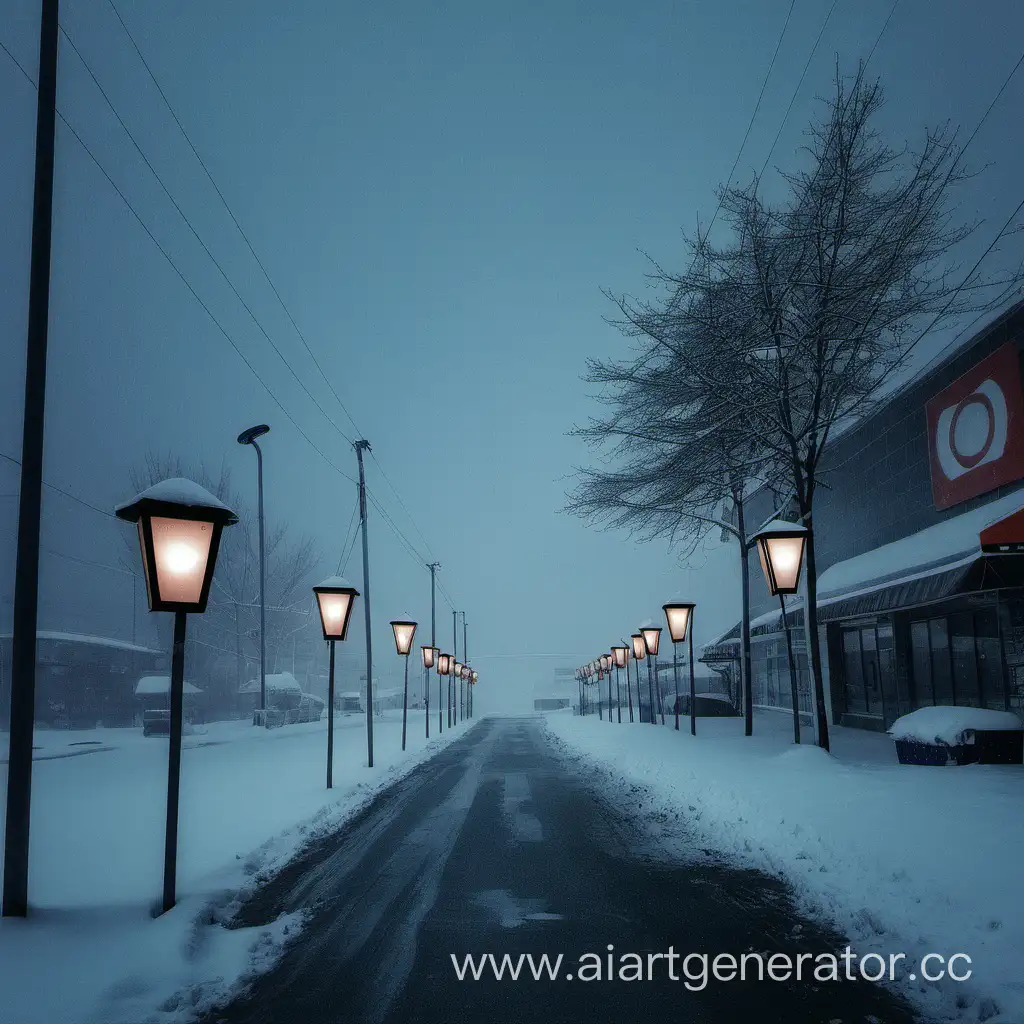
(757, 106)
(400, 502)
(198, 237)
(878, 38)
(60, 490)
(234, 219)
(18, 65)
(206, 309)
(796, 91)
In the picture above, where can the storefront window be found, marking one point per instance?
(965, 663)
(856, 696)
(942, 673)
(920, 654)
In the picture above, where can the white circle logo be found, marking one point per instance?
(972, 433)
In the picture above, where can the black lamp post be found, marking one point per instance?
(444, 666)
(405, 632)
(472, 691)
(680, 617)
(781, 548)
(249, 437)
(429, 654)
(335, 598)
(179, 526)
(639, 653)
(619, 655)
(652, 637)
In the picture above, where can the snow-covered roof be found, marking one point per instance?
(275, 681)
(947, 545)
(334, 581)
(155, 685)
(179, 490)
(82, 638)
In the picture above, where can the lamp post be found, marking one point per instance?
(405, 632)
(680, 617)
(444, 662)
(429, 654)
(452, 709)
(249, 437)
(334, 599)
(652, 638)
(472, 691)
(629, 684)
(619, 655)
(606, 668)
(639, 653)
(179, 526)
(781, 548)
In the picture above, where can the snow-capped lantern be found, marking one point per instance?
(678, 615)
(179, 526)
(405, 631)
(781, 547)
(620, 654)
(652, 636)
(639, 649)
(335, 597)
(429, 655)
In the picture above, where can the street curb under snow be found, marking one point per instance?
(693, 801)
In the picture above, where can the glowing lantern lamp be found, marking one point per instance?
(179, 526)
(405, 632)
(334, 599)
(679, 616)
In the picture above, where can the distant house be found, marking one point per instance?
(154, 693)
(283, 691)
(82, 680)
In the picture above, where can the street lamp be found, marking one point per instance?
(606, 666)
(456, 672)
(652, 639)
(179, 526)
(780, 546)
(444, 664)
(619, 658)
(639, 653)
(249, 437)
(429, 654)
(405, 632)
(680, 617)
(334, 599)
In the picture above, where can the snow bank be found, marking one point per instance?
(250, 799)
(897, 858)
(950, 725)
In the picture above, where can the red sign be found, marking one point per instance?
(976, 430)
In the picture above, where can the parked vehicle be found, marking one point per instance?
(156, 722)
(351, 703)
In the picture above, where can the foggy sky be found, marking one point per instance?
(439, 194)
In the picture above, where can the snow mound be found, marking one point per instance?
(949, 725)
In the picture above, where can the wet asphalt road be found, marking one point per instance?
(497, 846)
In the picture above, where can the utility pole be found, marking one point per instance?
(26, 581)
(360, 447)
(463, 696)
(433, 567)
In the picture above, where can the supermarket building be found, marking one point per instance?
(919, 536)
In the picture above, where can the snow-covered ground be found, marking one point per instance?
(898, 858)
(249, 799)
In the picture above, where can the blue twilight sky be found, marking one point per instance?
(439, 192)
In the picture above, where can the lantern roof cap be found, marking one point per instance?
(176, 491)
(781, 526)
(649, 624)
(403, 619)
(334, 583)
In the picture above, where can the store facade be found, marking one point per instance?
(919, 534)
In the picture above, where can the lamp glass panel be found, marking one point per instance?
(620, 656)
(428, 656)
(334, 613)
(786, 553)
(639, 650)
(678, 617)
(442, 664)
(762, 554)
(404, 633)
(652, 638)
(181, 549)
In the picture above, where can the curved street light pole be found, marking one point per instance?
(249, 437)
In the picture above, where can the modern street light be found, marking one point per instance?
(179, 526)
(429, 654)
(405, 632)
(335, 597)
(680, 617)
(780, 546)
(249, 437)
